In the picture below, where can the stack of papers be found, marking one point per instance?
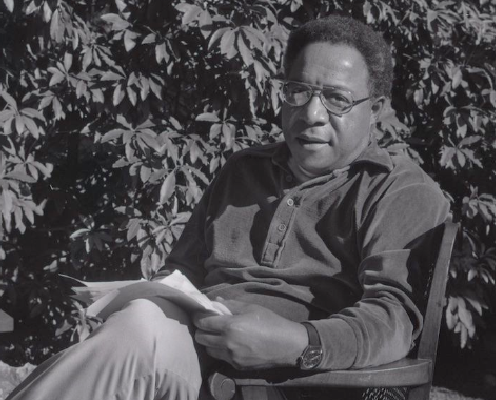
(104, 298)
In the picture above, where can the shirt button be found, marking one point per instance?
(290, 202)
(289, 178)
(282, 227)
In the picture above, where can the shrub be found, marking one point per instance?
(116, 114)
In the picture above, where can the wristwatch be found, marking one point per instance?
(312, 355)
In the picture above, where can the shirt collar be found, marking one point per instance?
(376, 155)
(373, 154)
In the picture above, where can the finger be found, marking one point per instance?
(210, 322)
(209, 339)
(221, 308)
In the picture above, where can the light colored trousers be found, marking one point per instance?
(143, 352)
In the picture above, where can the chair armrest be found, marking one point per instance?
(406, 372)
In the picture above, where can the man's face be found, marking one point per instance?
(318, 140)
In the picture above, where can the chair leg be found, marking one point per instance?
(420, 392)
(254, 393)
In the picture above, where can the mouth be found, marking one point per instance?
(311, 142)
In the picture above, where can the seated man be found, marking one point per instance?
(308, 243)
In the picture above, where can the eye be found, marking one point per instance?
(337, 98)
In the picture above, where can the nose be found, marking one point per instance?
(314, 112)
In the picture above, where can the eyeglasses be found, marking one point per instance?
(336, 101)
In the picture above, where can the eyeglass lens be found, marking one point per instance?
(298, 94)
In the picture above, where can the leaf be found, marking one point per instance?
(461, 158)
(418, 97)
(9, 4)
(31, 8)
(194, 152)
(464, 314)
(117, 22)
(57, 78)
(20, 176)
(227, 41)
(145, 173)
(112, 134)
(56, 29)
(168, 187)
(228, 132)
(245, 51)
(8, 98)
(80, 89)
(118, 95)
(32, 113)
(97, 95)
(19, 124)
(208, 117)
(7, 126)
(67, 61)
(87, 58)
(216, 36)
(6, 115)
(156, 89)
(131, 94)
(447, 154)
(150, 38)
(149, 140)
(31, 126)
(470, 140)
(47, 12)
(205, 22)
(457, 78)
(111, 76)
(57, 109)
(461, 130)
(257, 33)
(129, 40)
(260, 72)
(145, 89)
(161, 53)
(191, 13)
(215, 130)
(132, 228)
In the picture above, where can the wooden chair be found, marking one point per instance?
(409, 378)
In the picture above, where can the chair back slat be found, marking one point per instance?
(432, 320)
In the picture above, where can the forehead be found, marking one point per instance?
(327, 64)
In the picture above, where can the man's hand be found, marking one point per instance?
(253, 337)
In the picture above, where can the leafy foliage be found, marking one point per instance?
(115, 115)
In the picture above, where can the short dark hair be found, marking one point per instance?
(337, 29)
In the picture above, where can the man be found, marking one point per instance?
(309, 243)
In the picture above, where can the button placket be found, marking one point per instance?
(280, 225)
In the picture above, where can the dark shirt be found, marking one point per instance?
(335, 250)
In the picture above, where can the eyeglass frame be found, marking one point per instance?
(315, 88)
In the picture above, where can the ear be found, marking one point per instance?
(377, 108)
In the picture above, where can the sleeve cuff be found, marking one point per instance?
(339, 343)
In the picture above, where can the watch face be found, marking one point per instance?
(311, 357)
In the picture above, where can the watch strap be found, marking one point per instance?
(312, 355)
(313, 334)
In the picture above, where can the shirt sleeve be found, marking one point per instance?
(394, 239)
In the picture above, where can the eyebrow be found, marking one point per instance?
(322, 87)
